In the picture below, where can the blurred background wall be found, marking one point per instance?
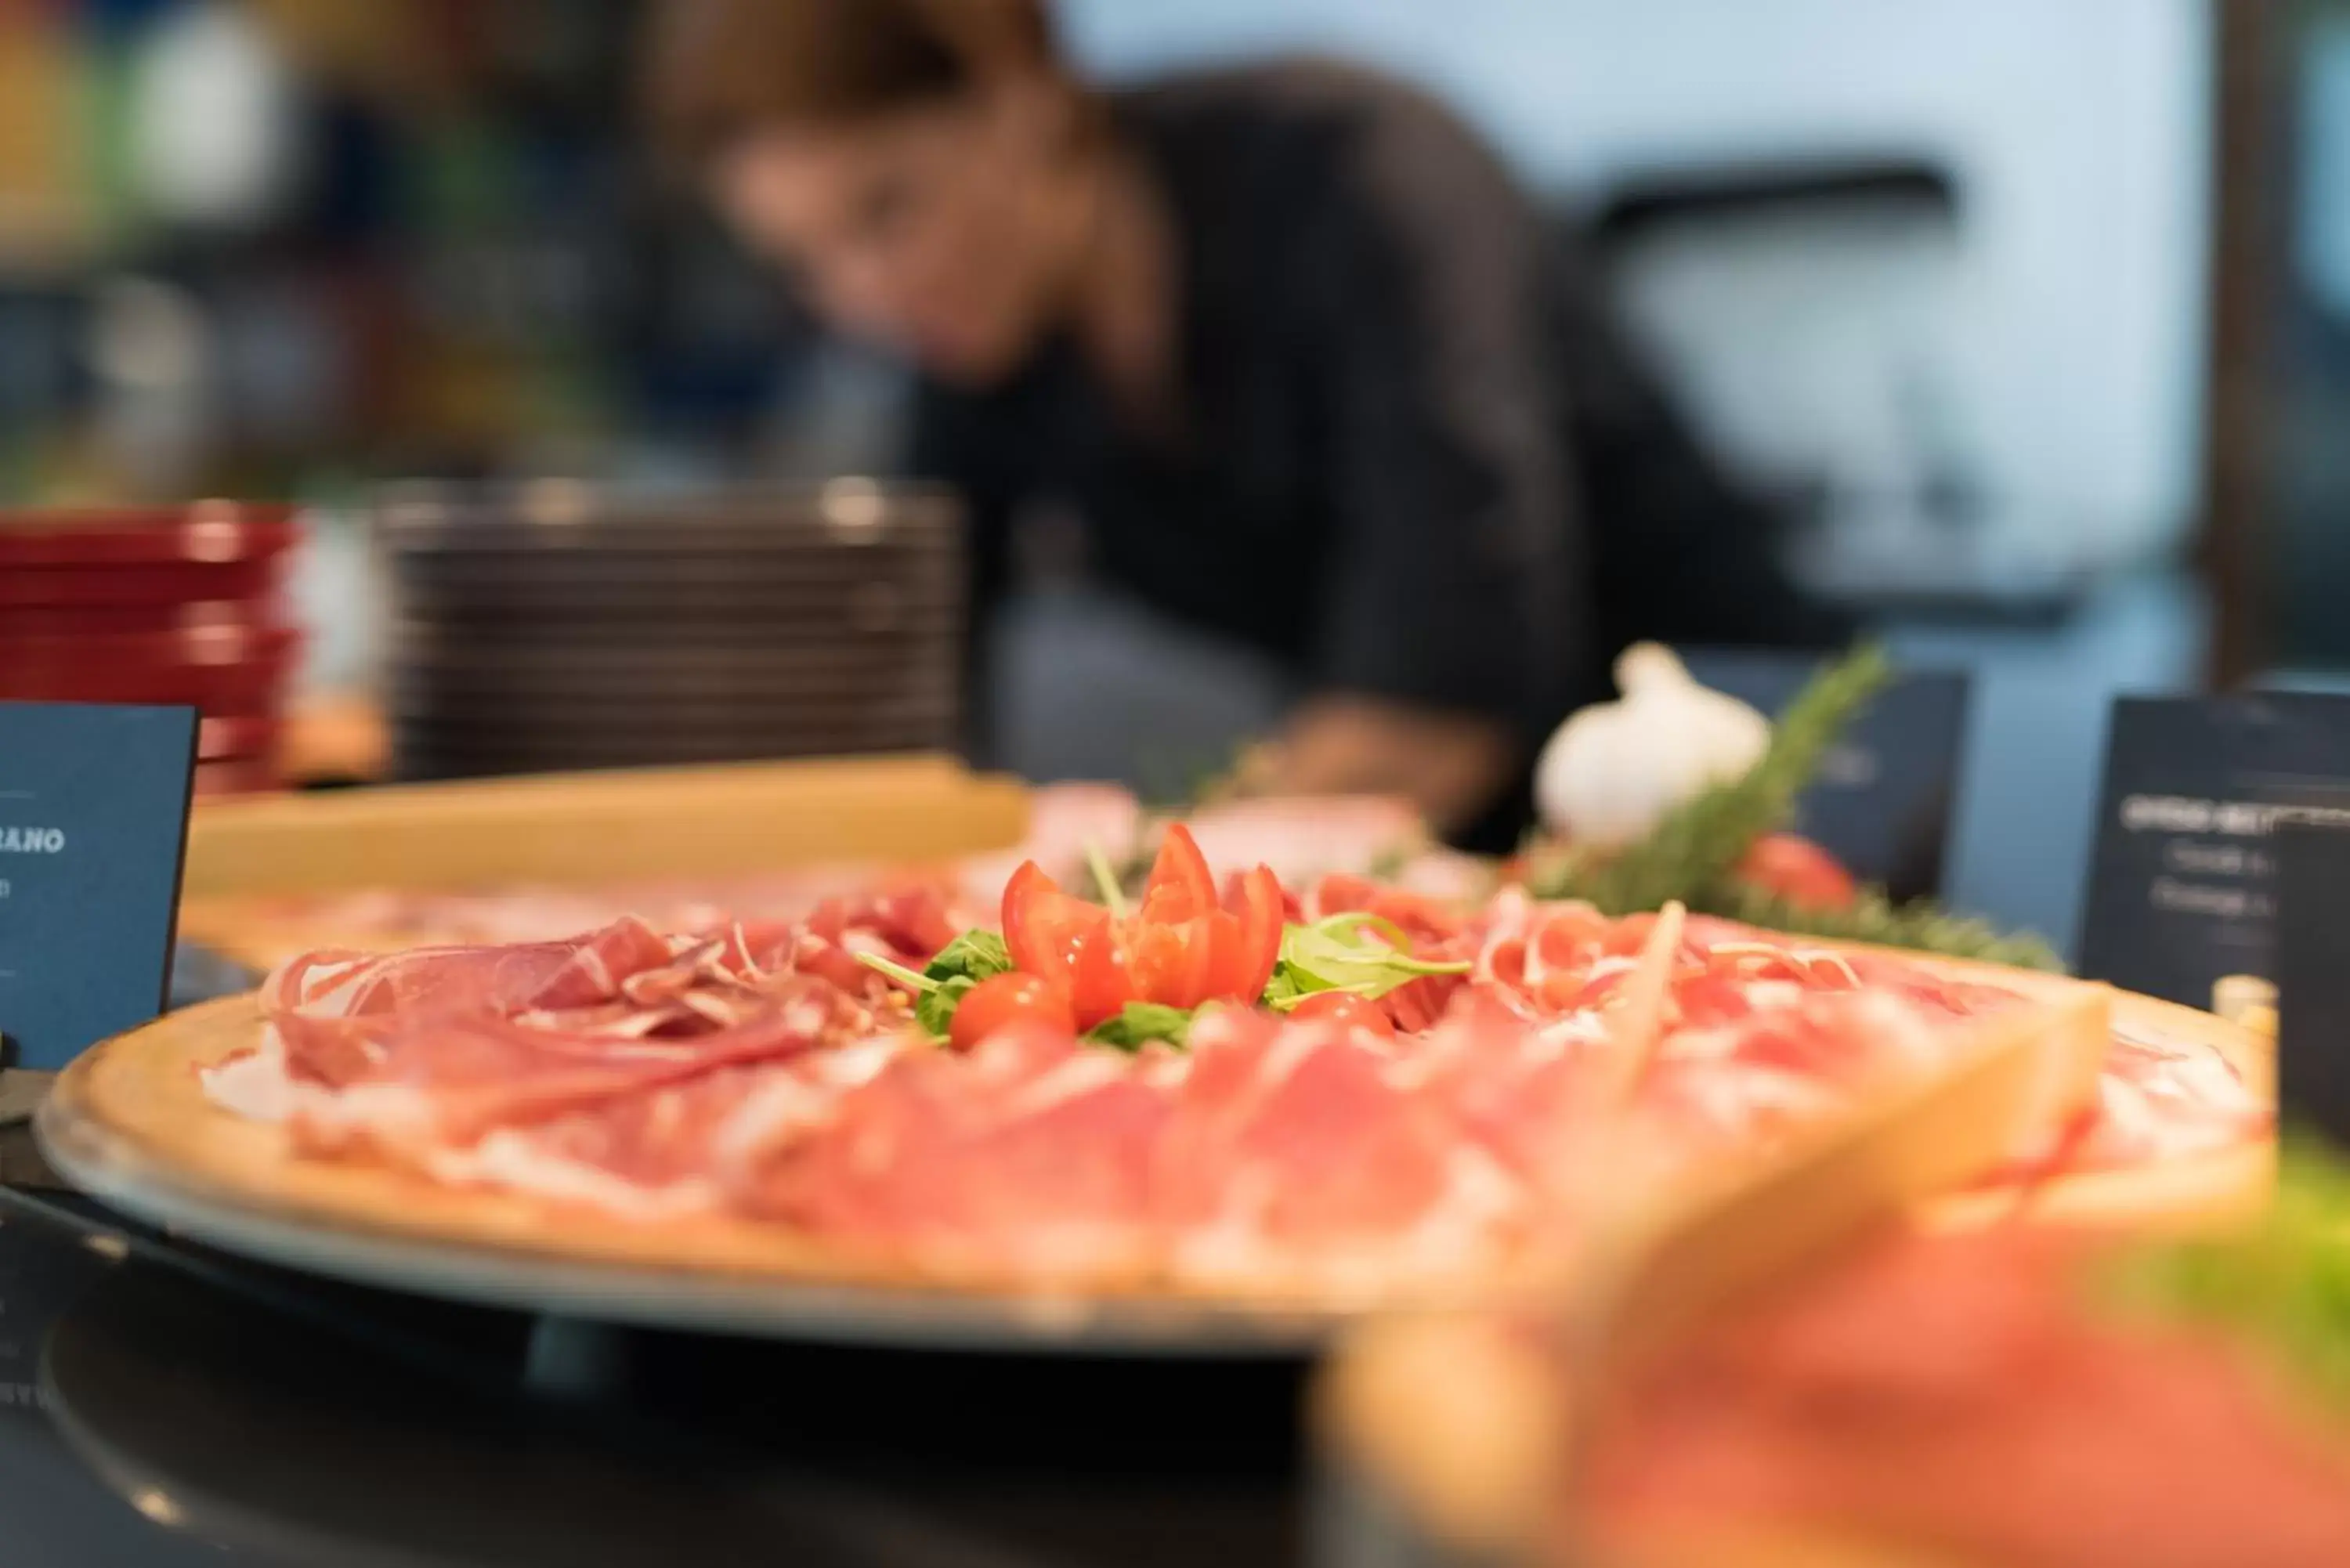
(2067, 335)
(1941, 273)
(407, 234)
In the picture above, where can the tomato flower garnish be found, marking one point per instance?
(1183, 946)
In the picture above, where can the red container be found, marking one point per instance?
(213, 550)
(162, 605)
(206, 534)
(53, 670)
(57, 587)
(135, 619)
(195, 646)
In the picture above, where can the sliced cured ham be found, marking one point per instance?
(453, 1082)
(415, 1055)
(1031, 1148)
(764, 1069)
(1303, 1142)
(1964, 1399)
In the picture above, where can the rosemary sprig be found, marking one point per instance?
(1919, 926)
(1694, 849)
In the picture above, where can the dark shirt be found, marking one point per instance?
(1415, 459)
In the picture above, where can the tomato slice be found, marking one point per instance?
(1257, 912)
(1041, 922)
(1001, 1001)
(1173, 963)
(1799, 871)
(1182, 948)
(1181, 888)
(1224, 954)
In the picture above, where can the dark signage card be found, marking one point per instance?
(93, 825)
(2312, 973)
(1886, 793)
(2182, 881)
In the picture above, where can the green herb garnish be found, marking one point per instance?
(1140, 1023)
(1106, 881)
(1693, 854)
(975, 955)
(938, 988)
(1336, 955)
(1701, 840)
(1922, 926)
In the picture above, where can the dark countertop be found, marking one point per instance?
(164, 1405)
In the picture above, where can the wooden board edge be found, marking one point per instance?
(574, 829)
(137, 1100)
(134, 1108)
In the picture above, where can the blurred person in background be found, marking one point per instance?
(1354, 457)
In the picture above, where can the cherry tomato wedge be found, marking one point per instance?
(1348, 1010)
(1066, 940)
(1183, 946)
(1004, 1000)
(1799, 871)
(1181, 888)
(1260, 908)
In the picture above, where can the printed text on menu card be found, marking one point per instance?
(93, 824)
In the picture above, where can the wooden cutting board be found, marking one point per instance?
(252, 862)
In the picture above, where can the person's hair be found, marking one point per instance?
(722, 69)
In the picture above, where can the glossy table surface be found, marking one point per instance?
(160, 1404)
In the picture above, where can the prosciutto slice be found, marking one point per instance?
(760, 1068)
(1303, 1150)
(435, 1049)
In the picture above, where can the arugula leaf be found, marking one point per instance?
(975, 955)
(1106, 881)
(1334, 955)
(920, 984)
(1140, 1023)
(935, 1009)
(963, 963)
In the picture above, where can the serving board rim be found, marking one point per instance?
(129, 1122)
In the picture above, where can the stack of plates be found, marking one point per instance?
(555, 627)
(170, 606)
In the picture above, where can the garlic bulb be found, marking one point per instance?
(1615, 769)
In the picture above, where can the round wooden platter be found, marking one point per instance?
(2211, 1189)
(130, 1123)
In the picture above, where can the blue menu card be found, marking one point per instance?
(2183, 880)
(93, 826)
(1882, 804)
(2312, 970)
